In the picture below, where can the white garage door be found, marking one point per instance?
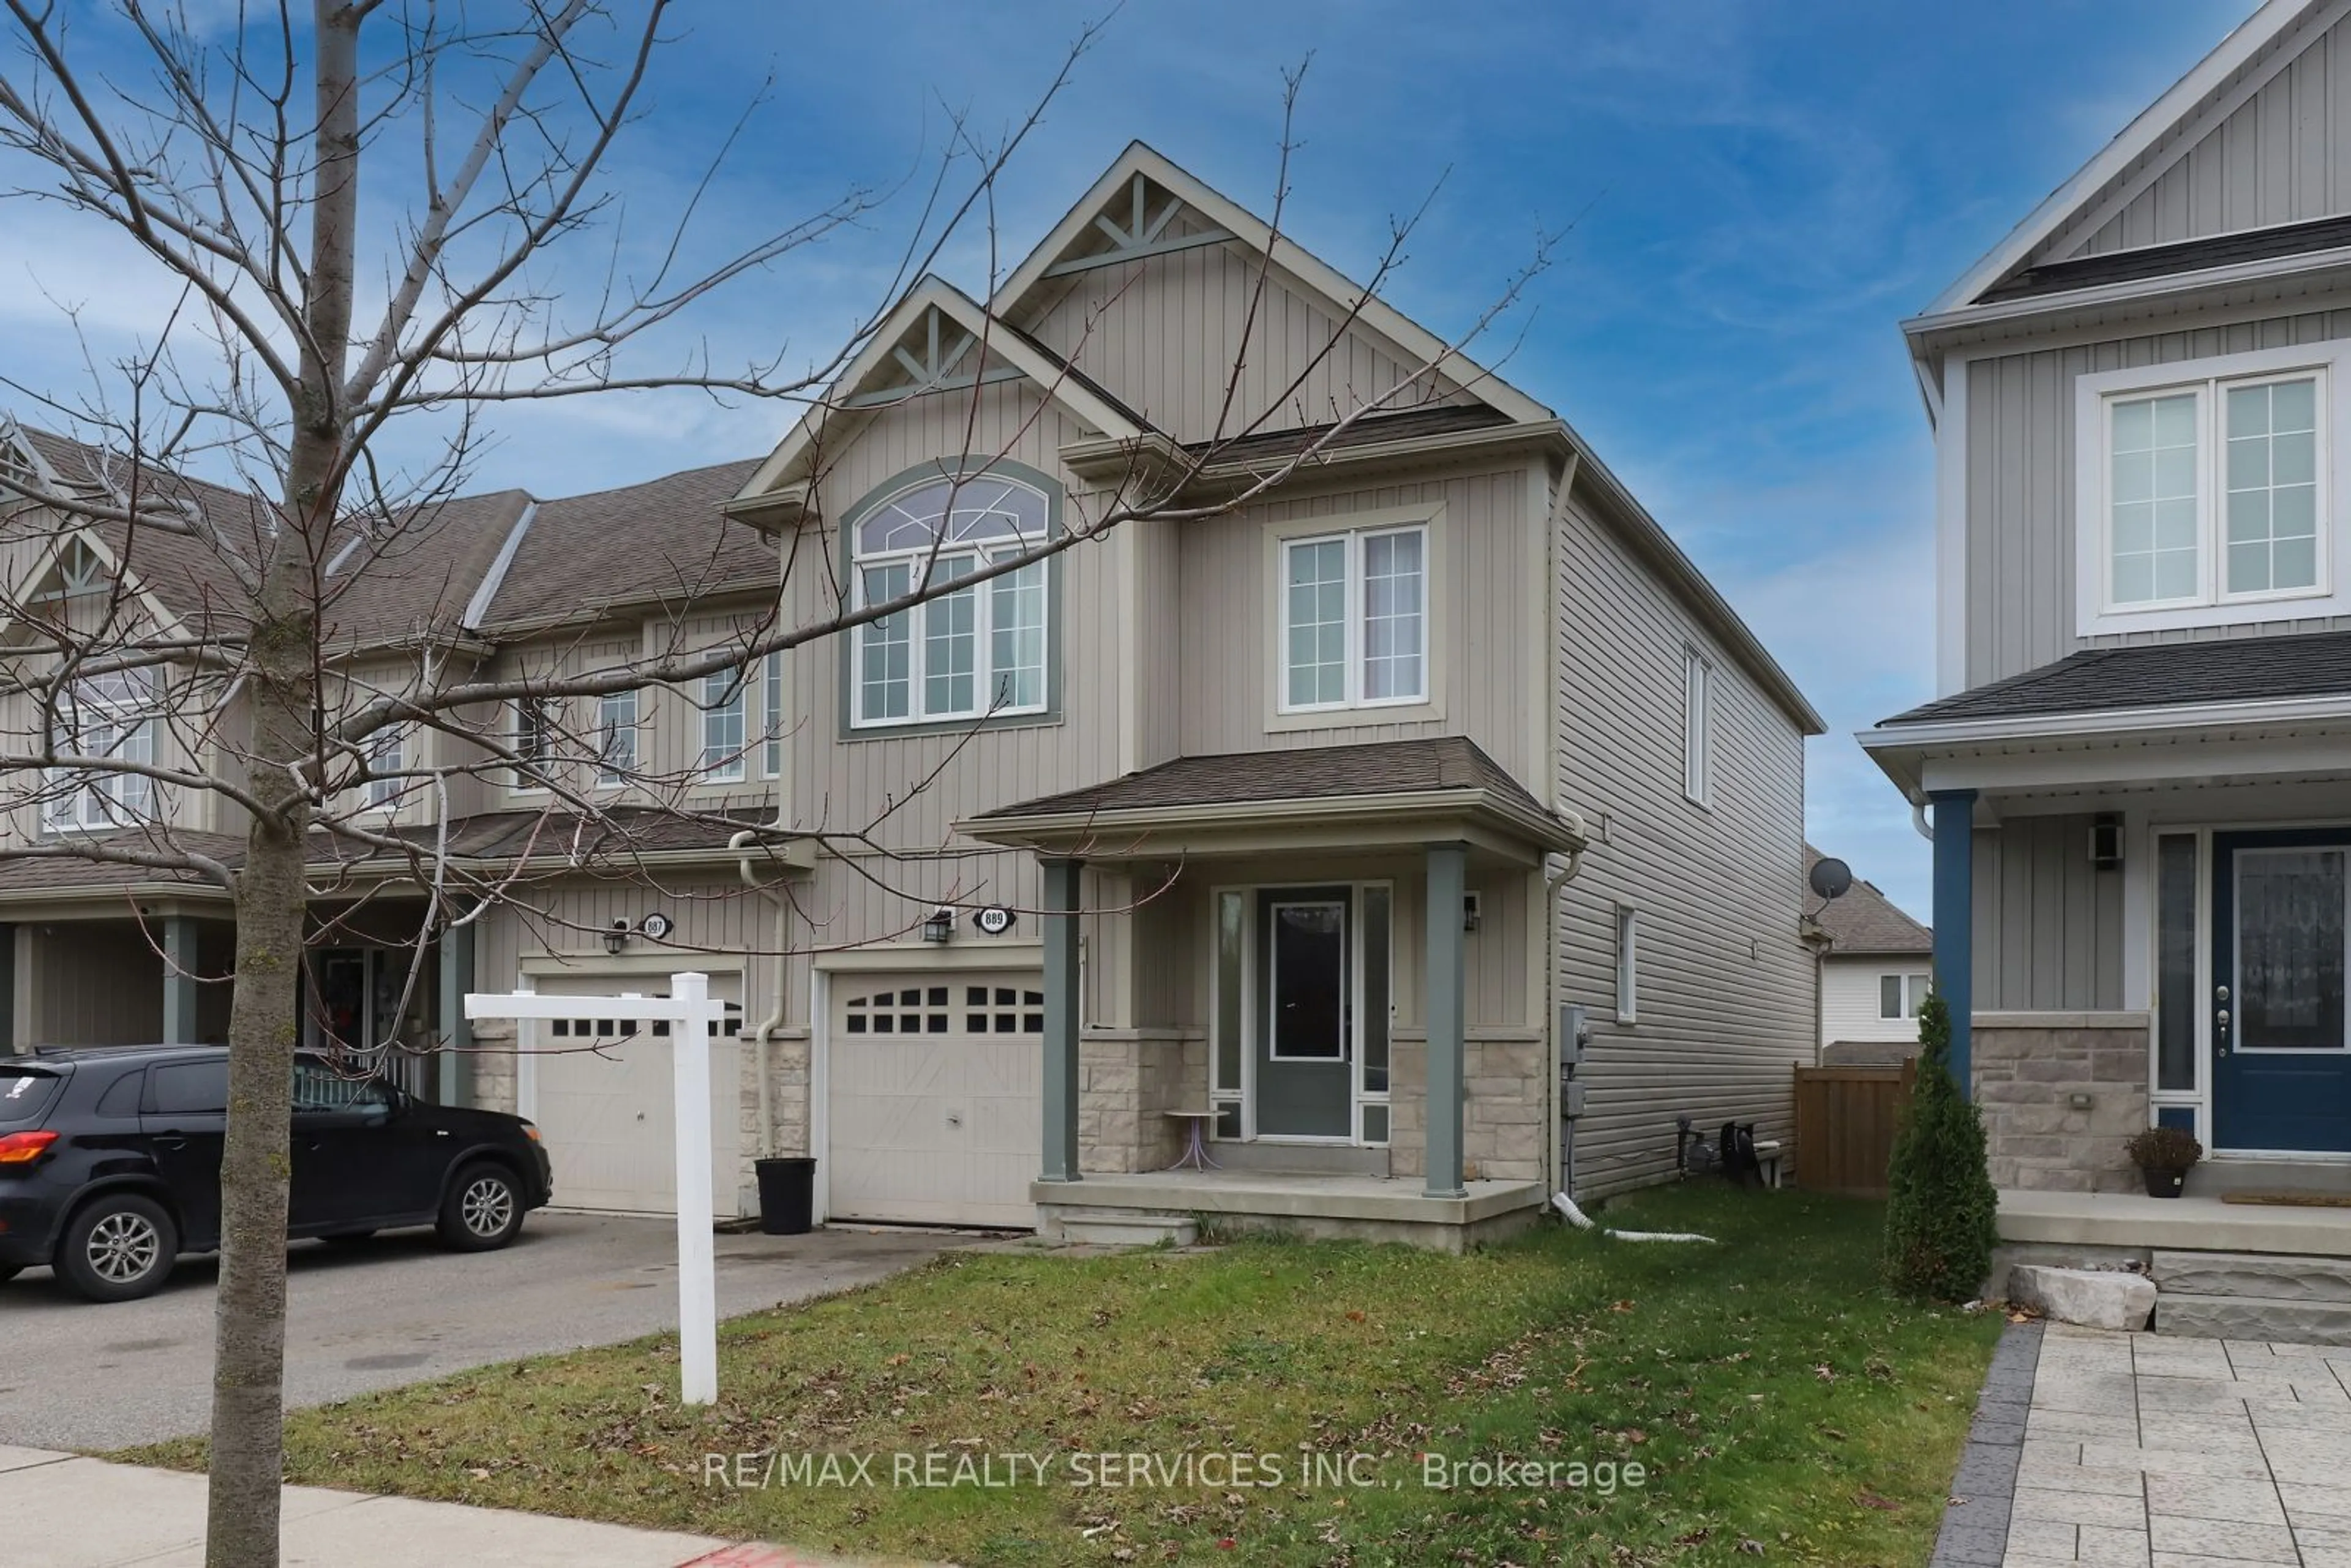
(932, 1098)
(607, 1113)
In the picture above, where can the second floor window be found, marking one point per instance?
(387, 755)
(112, 716)
(1354, 619)
(2212, 493)
(724, 739)
(1901, 996)
(771, 729)
(533, 743)
(973, 652)
(1698, 726)
(616, 738)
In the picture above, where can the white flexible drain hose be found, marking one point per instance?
(1583, 1222)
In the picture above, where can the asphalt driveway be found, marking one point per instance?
(394, 1310)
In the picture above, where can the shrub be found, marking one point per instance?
(2164, 1149)
(1940, 1225)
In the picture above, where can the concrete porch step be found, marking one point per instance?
(2265, 1276)
(2213, 1177)
(1129, 1227)
(2253, 1317)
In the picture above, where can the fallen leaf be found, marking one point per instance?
(1871, 1499)
(1621, 1307)
(1751, 1547)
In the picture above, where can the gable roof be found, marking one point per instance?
(1060, 380)
(1863, 920)
(2241, 59)
(1239, 224)
(1291, 773)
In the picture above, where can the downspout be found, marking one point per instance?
(763, 1038)
(1921, 820)
(1566, 1167)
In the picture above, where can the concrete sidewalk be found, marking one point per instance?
(66, 1512)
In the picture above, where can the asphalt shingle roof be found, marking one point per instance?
(1298, 773)
(2163, 260)
(2161, 675)
(1863, 920)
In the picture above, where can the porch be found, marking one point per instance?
(1156, 1204)
(2114, 1227)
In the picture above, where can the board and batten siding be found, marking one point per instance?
(1482, 680)
(1725, 994)
(1849, 997)
(2281, 156)
(2049, 926)
(2021, 567)
(1162, 335)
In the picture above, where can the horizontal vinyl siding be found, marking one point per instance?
(2021, 576)
(2048, 925)
(1849, 999)
(2283, 156)
(1726, 987)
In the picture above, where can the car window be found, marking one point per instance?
(188, 1088)
(122, 1096)
(318, 1087)
(25, 1094)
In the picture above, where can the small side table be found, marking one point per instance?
(1196, 1148)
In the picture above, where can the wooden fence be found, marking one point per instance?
(1845, 1126)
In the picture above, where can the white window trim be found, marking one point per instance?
(2092, 468)
(917, 560)
(1427, 520)
(736, 767)
(771, 716)
(80, 813)
(605, 778)
(1628, 964)
(385, 795)
(1916, 983)
(1698, 729)
(521, 780)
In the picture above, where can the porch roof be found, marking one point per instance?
(1380, 792)
(2158, 674)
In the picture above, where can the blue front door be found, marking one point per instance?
(2281, 1056)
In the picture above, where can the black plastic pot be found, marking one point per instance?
(2164, 1184)
(787, 1195)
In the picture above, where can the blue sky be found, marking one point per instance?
(1760, 191)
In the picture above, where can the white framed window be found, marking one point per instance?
(1354, 630)
(1628, 964)
(387, 754)
(975, 653)
(1901, 996)
(1698, 726)
(771, 717)
(725, 701)
(532, 726)
(616, 738)
(2206, 491)
(109, 716)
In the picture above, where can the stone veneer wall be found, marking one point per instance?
(1127, 1085)
(2029, 1066)
(1503, 1137)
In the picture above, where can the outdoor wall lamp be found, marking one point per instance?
(616, 936)
(940, 926)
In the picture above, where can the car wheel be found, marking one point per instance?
(118, 1248)
(483, 1210)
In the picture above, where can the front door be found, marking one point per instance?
(2280, 1052)
(1305, 1046)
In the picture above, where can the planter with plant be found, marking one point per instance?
(2164, 1156)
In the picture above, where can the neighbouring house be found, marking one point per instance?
(2137, 763)
(1876, 964)
(1310, 817)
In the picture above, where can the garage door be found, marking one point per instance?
(932, 1098)
(604, 1105)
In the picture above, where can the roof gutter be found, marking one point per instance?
(1564, 832)
(2080, 725)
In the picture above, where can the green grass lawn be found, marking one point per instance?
(1778, 1402)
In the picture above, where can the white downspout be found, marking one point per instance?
(1566, 1163)
(763, 1038)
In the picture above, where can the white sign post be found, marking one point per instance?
(691, 1015)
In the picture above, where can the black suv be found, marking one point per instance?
(110, 1157)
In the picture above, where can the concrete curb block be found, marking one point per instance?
(1975, 1523)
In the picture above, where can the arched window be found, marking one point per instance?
(976, 652)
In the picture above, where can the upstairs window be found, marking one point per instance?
(974, 652)
(536, 721)
(112, 716)
(1354, 620)
(616, 738)
(771, 725)
(724, 718)
(1698, 726)
(387, 755)
(2213, 493)
(1901, 996)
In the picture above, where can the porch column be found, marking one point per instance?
(1061, 1018)
(1955, 846)
(456, 978)
(179, 980)
(1449, 872)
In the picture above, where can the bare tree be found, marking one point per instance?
(361, 209)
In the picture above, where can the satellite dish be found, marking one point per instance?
(1831, 878)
